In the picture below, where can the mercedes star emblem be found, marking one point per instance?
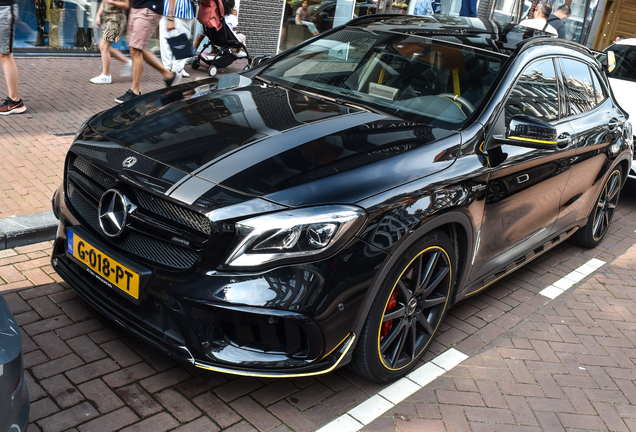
(129, 161)
(113, 211)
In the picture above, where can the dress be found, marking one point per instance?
(113, 23)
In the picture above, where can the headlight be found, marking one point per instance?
(313, 233)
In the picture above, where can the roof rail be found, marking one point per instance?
(377, 17)
(550, 40)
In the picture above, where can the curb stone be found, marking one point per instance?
(28, 229)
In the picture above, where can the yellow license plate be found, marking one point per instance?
(106, 268)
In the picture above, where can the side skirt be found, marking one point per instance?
(479, 285)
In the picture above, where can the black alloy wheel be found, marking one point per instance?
(602, 214)
(408, 310)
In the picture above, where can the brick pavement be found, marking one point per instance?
(58, 97)
(534, 363)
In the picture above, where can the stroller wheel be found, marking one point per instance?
(212, 70)
(195, 64)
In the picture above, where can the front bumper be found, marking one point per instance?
(199, 332)
(281, 323)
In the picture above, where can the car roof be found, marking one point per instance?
(629, 41)
(475, 32)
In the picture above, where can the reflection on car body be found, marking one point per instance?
(329, 205)
(14, 395)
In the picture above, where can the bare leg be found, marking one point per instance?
(197, 41)
(11, 75)
(137, 57)
(154, 63)
(104, 47)
(117, 55)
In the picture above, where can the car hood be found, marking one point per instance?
(257, 139)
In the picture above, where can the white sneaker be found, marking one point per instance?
(183, 73)
(241, 54)
(101, 79)
(126, 70)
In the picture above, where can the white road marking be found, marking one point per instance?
(363, 414)
(572, 278)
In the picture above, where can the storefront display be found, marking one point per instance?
(303, 19)
(59, 26)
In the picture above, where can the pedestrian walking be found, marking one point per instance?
(8, 19)
(539, 22)
(143, 21)
(557, 17)
(112, 18)
(183, 17)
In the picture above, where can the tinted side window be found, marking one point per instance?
(536, 93)
(579, 84)
(598, 88)
(625, 62)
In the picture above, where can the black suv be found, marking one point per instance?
(330, 204)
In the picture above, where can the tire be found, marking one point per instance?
(602, 213)
(195, 64)
(407, 310)
(212, 71)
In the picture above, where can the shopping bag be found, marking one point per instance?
(181, 46)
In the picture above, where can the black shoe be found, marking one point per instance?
(9, 106)
(174, 80)
(126, 97)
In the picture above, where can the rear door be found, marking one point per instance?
(596, 124)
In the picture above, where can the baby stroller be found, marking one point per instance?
(221, 38)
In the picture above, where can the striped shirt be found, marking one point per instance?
(182, 9)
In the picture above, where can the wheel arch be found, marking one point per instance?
(456, 224)
(624, 166)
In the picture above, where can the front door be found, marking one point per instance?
(525, 185)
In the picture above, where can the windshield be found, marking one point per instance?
(625, 62)
(412, 77)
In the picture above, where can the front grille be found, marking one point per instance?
(173, 212)
(84, 188)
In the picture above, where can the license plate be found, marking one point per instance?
(106, 268)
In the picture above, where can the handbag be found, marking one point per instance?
(181, 46)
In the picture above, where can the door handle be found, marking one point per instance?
(564, 140)
(612, 123)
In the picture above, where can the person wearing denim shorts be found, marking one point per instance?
(8, 18)
(143, 20)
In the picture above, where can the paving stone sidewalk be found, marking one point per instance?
(59, 97)
(534, 363)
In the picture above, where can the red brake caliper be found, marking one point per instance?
(387, 325)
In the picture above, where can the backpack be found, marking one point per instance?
(211, 14)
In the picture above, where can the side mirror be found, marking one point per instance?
(607, 60)
(258, 60)
(525, 131)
